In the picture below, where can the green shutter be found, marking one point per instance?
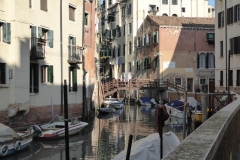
(50, 38)
(40, 32)
(36, 78)
(155, 63)
(107, 50)
(74, 79)
(74, 46)
(33, 40)
(157, 36)
(6, 32)
(50, 74)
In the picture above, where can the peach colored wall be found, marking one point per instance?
(89, 39)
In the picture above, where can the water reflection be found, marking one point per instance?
(103, 138)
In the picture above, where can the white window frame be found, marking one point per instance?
(201, 80)
(74, 7)
(44, 70)
(202, 60)
(178, 79)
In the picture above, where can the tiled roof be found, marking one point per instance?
(181, 21)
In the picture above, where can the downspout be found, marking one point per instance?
(83, 64)
(61, 56)
(226, 44)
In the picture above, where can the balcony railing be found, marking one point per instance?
(38, 48)
(74, 58)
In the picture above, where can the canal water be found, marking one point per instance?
(103, 138)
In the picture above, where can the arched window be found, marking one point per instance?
(202, 60)
(211, 60)
(174, 15)
(164, 14)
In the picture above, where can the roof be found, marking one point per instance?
(181, 21)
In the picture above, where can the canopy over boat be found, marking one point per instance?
(6, 131)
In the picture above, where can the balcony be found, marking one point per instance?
(73, 56)
(38, 48)
(153, 12)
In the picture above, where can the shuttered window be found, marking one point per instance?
(34, 78)
(6, 32)
(221, 78)
(47, 73)
(86, 19)
(71, 13)
(221, 19)
(44, 5)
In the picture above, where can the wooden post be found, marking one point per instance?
(184, 114)
(98, 94)
(204, 103)
(66, 120)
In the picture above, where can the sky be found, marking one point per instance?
(211, 2)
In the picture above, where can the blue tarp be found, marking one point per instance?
(145, 99)
(175, 104)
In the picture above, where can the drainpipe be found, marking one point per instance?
(226, 45)
(61, 55)
(83, 64)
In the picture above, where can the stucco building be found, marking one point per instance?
(41, 45)
(180, 49)
(119, 22)
(227, 45)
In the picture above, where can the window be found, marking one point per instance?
(129, 67)
(143, 40)
(230, 78)
(174, 15)
(237, 13)
(221, 19)
(234, 47)
(211, 63)
(238, 78)
(119, 51)
(202, 60)
(119, 31)
(221, 48)
(123, 49)
(72, 54)
(147, 39)
(164, 1)
(5, 32)
(138, 65)
(109, 2)
(202, 81)
(34, 75)
(174, 2)
(156, 62)
(124, 30)
(178, 81)
(3, 72)
(47, 73)
(155, 37)
(209, 10)
(46, 35)
(221, 78)
(30, 4)
(123, 67)
(86, 19)
(72, 13)
(113, 52)
(44, 5)
(130, 48)
(129, 8)
(130, 28)
(73, 79)
(183, 9)
(123, 11)
(230, 15)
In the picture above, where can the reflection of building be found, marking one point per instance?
(34, 61)
(227, 43)
(178, 46)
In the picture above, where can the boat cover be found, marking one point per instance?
(145, 99)
(149, 147)
(192, 101)
(7, 131)
(176, 104)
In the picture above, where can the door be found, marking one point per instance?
(190, 85)
(211, 85)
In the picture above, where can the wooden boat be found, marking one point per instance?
(56, 128)
(11, 141)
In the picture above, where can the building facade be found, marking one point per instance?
(119, 22)
(227, 45)
(177, 49)
(41, 46)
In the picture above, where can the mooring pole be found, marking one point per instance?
(66, 120)
(161, 133)
(129, 147)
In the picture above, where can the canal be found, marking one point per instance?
(102, 139)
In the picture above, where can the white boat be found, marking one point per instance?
(114, 101)
(115, 105)
(148, 148)
(175, 108)
(11, 141)
(56, 128)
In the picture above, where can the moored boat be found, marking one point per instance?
(56, 128)
(111, 100)
(11, 141)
